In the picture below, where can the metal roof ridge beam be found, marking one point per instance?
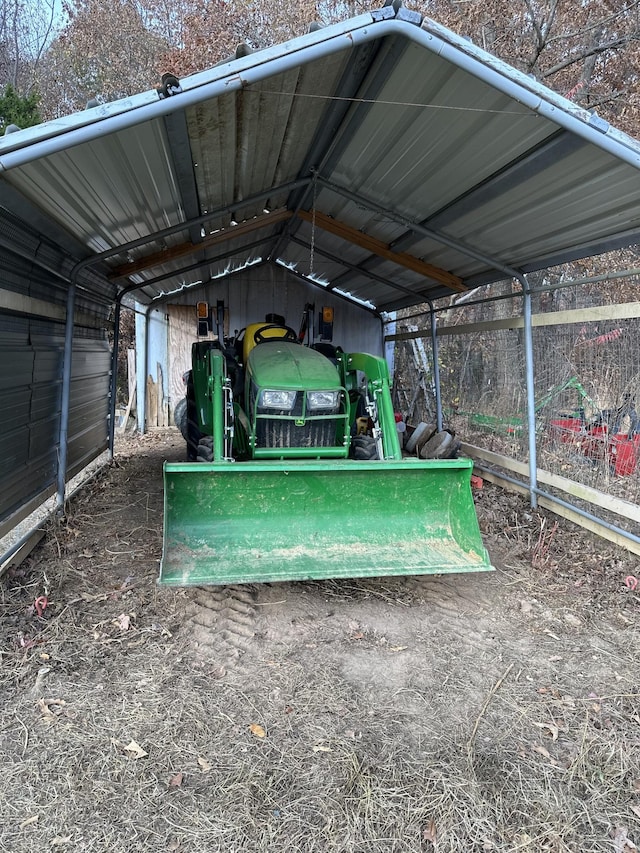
(470, 251)
(282, 58)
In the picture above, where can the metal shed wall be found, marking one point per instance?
(33, 294)
(249, 295)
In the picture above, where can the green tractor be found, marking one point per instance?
(296, 472)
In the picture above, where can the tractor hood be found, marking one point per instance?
(280, 364)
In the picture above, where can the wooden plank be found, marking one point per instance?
(131, 381)
(182, 333)
(186, 249)
(378, 247)
(162, 422)
(624, 311)
(495, 458)
(131, 371)
(575, 517)
(152, 402)
(623, 508)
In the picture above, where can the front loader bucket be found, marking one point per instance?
(228, 522)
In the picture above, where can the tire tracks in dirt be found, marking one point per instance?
(220, 624)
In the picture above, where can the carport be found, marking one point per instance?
(383, 161)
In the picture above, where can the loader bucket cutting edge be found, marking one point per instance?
(228, 523)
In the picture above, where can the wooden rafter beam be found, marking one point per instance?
(377, 247)
(186, 249)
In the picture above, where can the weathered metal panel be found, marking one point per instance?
(31, 355)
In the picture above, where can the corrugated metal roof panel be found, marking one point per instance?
(413, 141)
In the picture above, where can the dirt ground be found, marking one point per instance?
(480, 712)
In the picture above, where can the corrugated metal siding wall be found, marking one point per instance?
(31, 359)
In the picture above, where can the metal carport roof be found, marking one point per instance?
(385, 156)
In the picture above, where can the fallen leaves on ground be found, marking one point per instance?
(131, 750)
(429, 833)
(176, 781)
(51, 709)
(204, 765)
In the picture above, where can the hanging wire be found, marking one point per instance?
(313, 224)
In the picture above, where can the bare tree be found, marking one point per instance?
(25, 33)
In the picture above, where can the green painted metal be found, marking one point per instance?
(280, 364)
(303, 519)
(376, 371)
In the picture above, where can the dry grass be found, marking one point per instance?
(479, 748)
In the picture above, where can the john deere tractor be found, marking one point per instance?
(295, 471)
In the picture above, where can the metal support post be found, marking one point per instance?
(114, 378)
(66, 398)
(436, 366)
(531, 400)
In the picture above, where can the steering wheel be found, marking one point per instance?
(289, 334)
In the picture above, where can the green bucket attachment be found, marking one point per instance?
(227, 523)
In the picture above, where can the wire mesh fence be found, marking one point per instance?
(586, 386)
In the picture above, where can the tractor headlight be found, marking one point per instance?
(282, 400)
(322, 400)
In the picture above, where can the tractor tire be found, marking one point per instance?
(193, 435)
(180, 416)
(419, 437)
(364, 447)
(205, 449)
(438, 447)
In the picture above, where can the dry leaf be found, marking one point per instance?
(319, 748)
(132, 749)
(51, 709)
(29, 820)
(621, 841)
(203, 764)
(176, 781)
(398, 648)
(550, 728)
(636, 810)
(135, 750)
(572, 619)
(124, 621)
(357, 636)
(429, 832)
(257, 730)
(542, 751)
(59, 840)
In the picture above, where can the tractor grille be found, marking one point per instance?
(285, 433)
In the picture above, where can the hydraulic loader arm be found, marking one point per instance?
(378, 397)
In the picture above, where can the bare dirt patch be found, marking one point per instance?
(489, 712)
